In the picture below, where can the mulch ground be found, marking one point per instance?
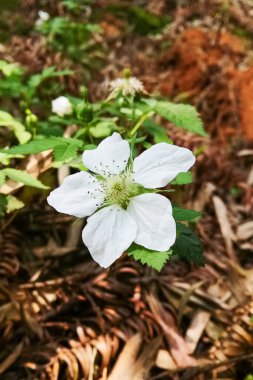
(63, 317)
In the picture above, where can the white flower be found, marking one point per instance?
(43, 16)
(115, 198)
(61, 106)
(126, 86)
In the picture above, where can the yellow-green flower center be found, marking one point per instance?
(119, 188)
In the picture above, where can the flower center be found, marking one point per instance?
(119, 188)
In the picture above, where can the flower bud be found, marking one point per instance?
(62, 106)
(30, 119)
(127, 73)
(43, 16)
(84, 110)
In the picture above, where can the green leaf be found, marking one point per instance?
(9, 69)
(18, 128)
(129, 112)
(6, 158)
(181, 214)
(188, 246)
(157, 131)
(49, 72)
(146, 22)
(40, 145)
(182, 179)
(249, 377)
(102, 129)
(153, 259)
(13, 204)
(3, 204)
(23, 177)
(90, 147)
(65, 152)
(11, 87)
(181, 115)
(2, 177)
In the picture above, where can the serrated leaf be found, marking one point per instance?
(188, 246)
(49, 72)
(181, 214)
(23, 177)
(181, 115)
(40, 145)
(157, 131)
(18, 128)
(64, 152)
(182, 179)
(153, 259)
(13, 204)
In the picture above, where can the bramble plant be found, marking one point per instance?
(78, 43)
(116, 187)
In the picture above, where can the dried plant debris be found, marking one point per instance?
(64, 318)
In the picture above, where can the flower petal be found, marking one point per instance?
(110, 157)
(156, 225)
(80, 195)
(160, 164)
(109, 232)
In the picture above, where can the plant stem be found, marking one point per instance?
(140, 122)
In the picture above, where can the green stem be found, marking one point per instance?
(133, 110)
(140, 122)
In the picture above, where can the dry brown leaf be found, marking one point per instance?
(31, 321)
(42, 252)
(81, 354)
(9, 312)
(245, 231)
(123, 367)
(186, 297)
(245, 88)
(72, 364)
(74, 233)
(242, 278)
(213, 330)
(177, 344)
(34, 165)
(200, 297)
(195, 330)
(62, 173)
(134, 366)
(225, 226)
(7, 362)
(203, 196)
(250, 177)
(245, 152)
(165, 361)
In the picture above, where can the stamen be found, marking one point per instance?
(119, 188)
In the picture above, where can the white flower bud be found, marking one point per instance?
(62, 106)
(43, 16)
